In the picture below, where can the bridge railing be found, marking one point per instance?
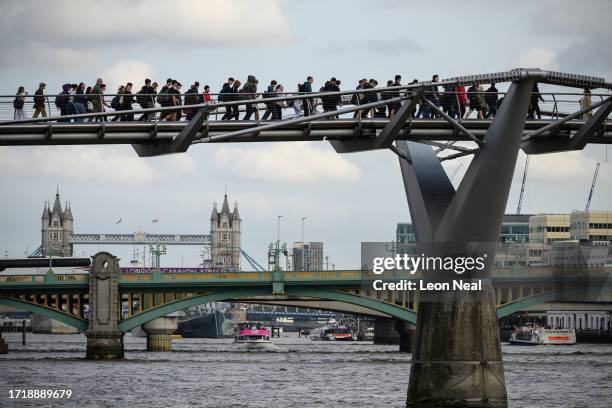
(554, 105)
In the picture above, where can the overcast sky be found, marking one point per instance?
(346, 199)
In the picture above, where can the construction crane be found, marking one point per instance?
(588, 204)
(520, 203)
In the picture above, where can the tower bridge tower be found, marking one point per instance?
(57, 227)
(225, 236)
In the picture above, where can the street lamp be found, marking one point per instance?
(303, 219)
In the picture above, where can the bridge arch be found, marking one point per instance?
(76, 322)
(238, 294)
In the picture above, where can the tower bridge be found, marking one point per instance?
(457, 358)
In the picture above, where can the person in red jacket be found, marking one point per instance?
(462, 95)
(206, 95)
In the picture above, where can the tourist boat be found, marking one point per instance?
(332, 333)
(252, 333)
(533, 335)
(366, 335)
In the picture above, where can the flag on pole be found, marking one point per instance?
(155, 220)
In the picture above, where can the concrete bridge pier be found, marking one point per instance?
(104, 339)
(395, 331)
(457, 358)
(159, 333)
(384, 331)
(407, 335)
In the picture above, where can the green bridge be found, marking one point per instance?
(132, 299)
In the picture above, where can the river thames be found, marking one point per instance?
(291, 372)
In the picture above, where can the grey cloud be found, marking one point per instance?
(383, 46)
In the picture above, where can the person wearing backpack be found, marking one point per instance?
(19, 103)
(191, 98)
(126, 103)
(61, 101)
(162, 97)
(145, 98)
(117, 103)
(39, 101)
(331, 102)
(249, 91)
(269, 94)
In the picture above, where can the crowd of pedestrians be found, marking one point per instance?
(436, 101)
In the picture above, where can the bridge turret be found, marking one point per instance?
(225, 236)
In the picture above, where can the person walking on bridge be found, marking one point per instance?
(462, 98)
(330, 102)
(235, 96)
(249, 91)
(39, 101)
(97, 99)
(534, 107)
(394, 106)
(585, 102)
(224, 96)
(19, 103)
(308, 102)
(475, 101)
(491, 100)
(146, 99)
(128, 100)
(191, 98)
(268, 94)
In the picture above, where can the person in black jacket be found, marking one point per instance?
(234, 96)
(394, 106)
(491, 100)
(225, 96)
(191, 98)
(330, 102)
(62, 100)
(268, 94)
(146, 99)
(128, 100)
(534, 107)
(80, 100)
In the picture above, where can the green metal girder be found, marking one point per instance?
(383, 307)
(243, 293)
(76, 322)
(509, 308)
(167, 308)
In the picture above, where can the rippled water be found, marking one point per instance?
(292, 372)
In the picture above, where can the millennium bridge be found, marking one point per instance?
(457, 356)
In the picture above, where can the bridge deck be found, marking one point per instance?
(154, 132)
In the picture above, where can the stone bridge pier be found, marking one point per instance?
(159, 333)
(395, 331)
(104, 339)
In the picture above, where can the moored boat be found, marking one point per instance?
(533, 335)
(332, 333)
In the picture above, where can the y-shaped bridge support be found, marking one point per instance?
(457, 359)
